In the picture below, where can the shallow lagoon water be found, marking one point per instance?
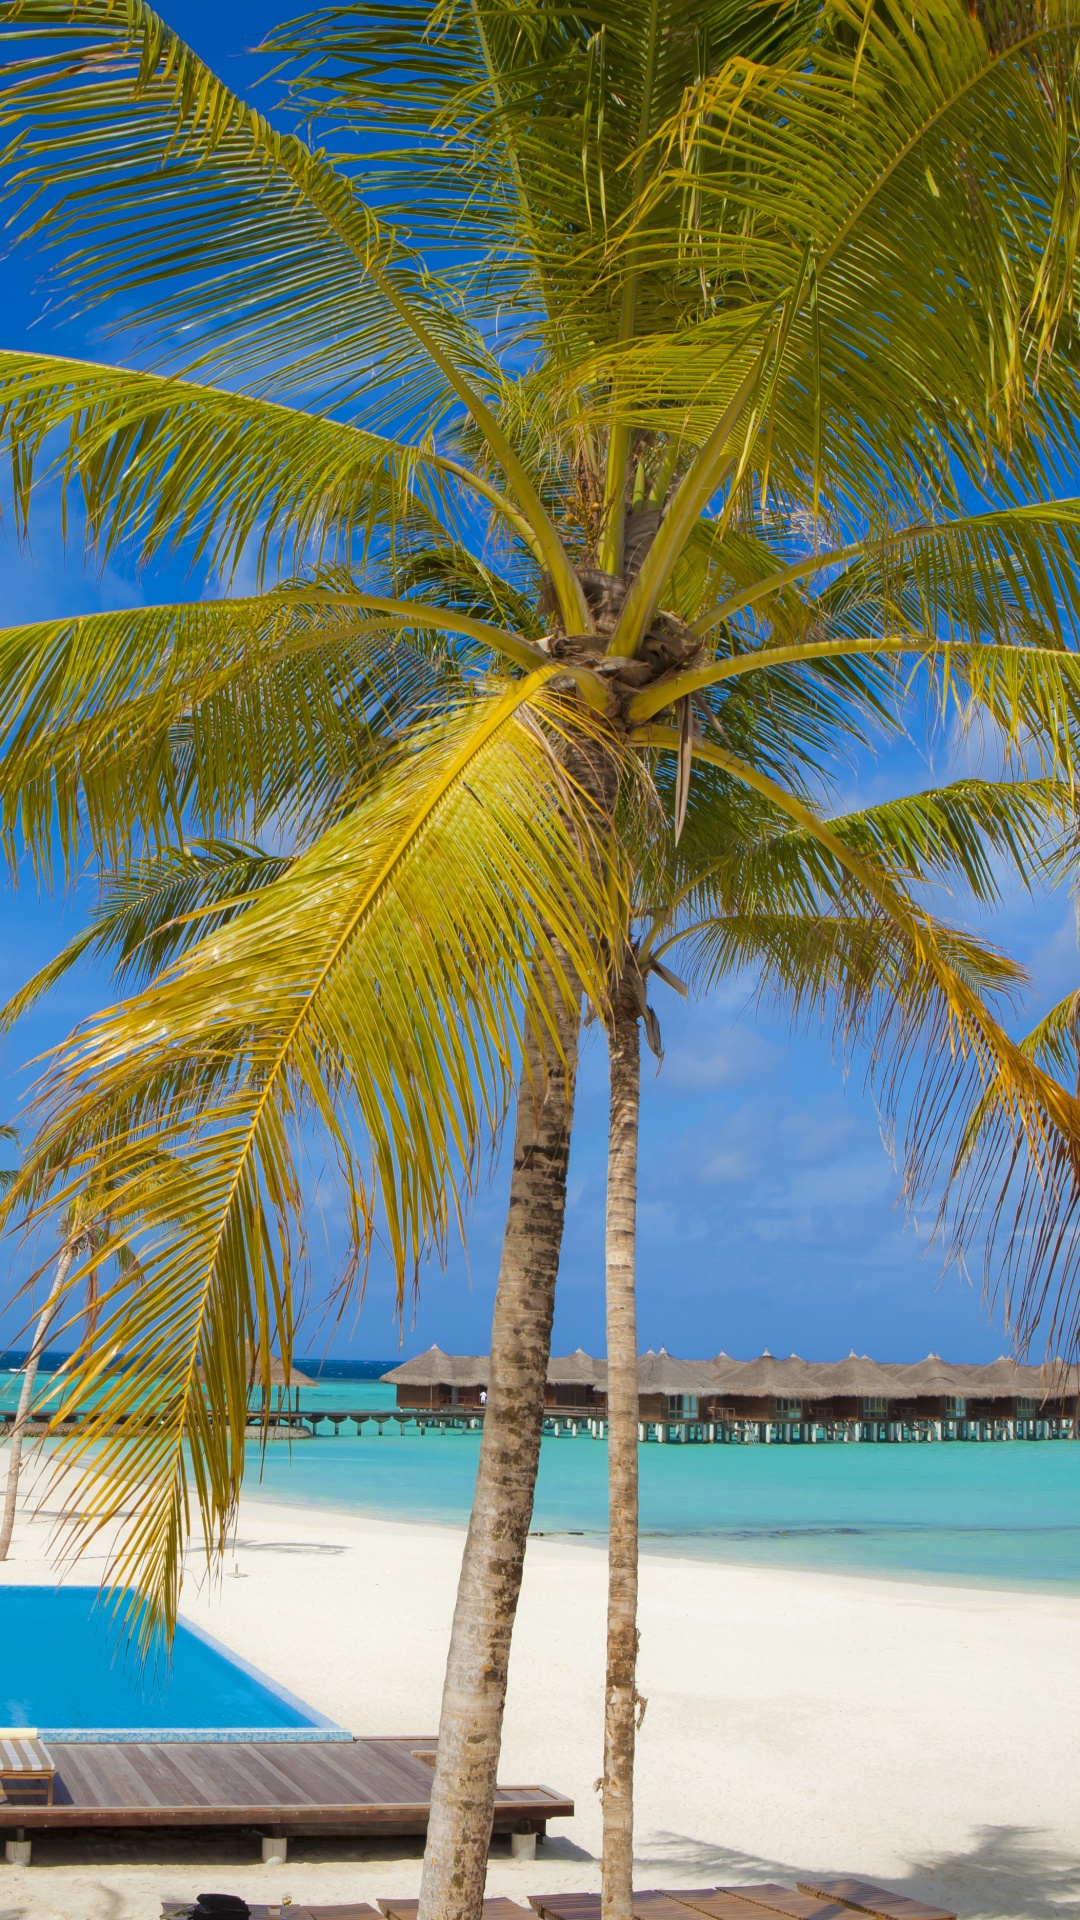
(993, 1514)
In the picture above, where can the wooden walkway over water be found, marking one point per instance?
(572, 1423)
(373, 1787)
(315, 1422)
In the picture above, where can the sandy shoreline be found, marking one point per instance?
(925, 1735)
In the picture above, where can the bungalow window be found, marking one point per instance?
(1025, 1409)
(680, 1404)
(874, 1407)
(789, 1409)
(955, 1407)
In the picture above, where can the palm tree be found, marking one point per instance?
(746, 891)
(79, 1236)
(694, 310)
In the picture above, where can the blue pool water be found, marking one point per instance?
(67, 1669)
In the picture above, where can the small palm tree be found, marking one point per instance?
(771, 905)
(79, 1237)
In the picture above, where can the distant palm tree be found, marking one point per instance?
(76, 1241)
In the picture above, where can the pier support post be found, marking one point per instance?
(523, 1846)
(275, 1848)
(17, 1851)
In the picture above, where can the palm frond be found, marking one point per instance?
(971, 1054)
(162, 464)
(221, 713)
(151, 174)
(158, 908)
(358, 1000)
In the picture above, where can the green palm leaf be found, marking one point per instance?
(164, 463)
(359, 997)
(119, 724)
(156, 909)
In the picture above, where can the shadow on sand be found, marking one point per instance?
(1009, 1873)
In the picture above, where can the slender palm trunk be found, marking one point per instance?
(26, 1395)
(620, 1694)
(470, 1729)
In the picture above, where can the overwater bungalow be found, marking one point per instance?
(773, 1399)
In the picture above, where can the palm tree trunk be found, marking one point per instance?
(470, 1729)
(620, 1694)
(26, 1395)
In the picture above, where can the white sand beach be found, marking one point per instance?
(927, 1736)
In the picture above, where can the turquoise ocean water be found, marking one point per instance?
(1004, 1514)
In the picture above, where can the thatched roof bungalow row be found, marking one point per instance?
(764, 1388)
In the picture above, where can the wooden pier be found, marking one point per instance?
(571, 1423)
(372, 1787)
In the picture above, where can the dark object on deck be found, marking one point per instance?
(863, 1897)
(300, 1787)
(815, 1900)
(27, 1772)
(223, 1903)
(176, 1910)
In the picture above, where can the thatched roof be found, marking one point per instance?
(856, 1377)
(663, 1373)
(436, 1368)
(764, 1378)
(277, 1372)
(767, 1377)
(278, 1376)
(577, 1369)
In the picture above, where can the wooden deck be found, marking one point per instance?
(363, 1787)
(815, 1900)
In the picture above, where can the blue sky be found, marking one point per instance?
(768, 1201)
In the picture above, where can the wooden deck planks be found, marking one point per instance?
(719, 1903)
(363, 1785)
(566, 1906)
(796, 1906)
(360, 1910)
(675, 1903)
(497, 1907)
(864, 1897)
(656, 1905)
(743, 1903)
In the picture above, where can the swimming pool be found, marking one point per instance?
(68, 1670)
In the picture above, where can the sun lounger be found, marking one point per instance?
(652, 1904)
(861, 1896)
(796, 1906)
(361, 1911)
(815, 1900)
(719, 1903)
(497, 1908)
(27, 1770)
(566, 1906)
